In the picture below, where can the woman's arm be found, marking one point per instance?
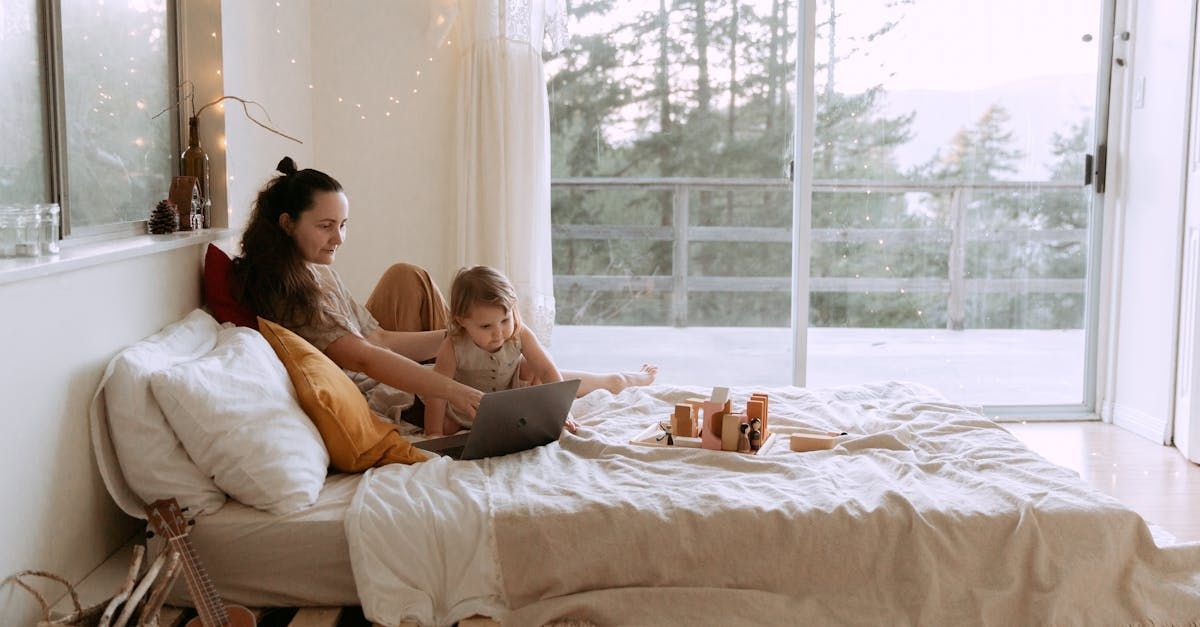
(355, 353)
(415, 345)
(539, 361)
(435, 408)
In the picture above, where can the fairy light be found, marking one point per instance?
(139, 142)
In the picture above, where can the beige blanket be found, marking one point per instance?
(926, 514)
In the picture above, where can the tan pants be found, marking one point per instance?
(406, 299)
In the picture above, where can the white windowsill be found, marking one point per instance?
(78, 256)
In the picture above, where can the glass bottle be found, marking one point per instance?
(194, 162)
(48, 215)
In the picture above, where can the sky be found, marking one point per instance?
(966, 45)
(953, 45)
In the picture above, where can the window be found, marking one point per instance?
(88, 77)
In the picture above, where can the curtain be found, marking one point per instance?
(502, 155)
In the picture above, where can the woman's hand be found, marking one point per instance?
(465, 399)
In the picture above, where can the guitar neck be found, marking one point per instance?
(209, 605)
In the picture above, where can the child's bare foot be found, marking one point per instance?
(616, 382)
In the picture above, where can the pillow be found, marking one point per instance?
(355, 438)
(217, 292)
(150, 457)
(236, 413)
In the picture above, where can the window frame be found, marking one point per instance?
(54, 103)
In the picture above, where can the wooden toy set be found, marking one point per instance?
(711, 424)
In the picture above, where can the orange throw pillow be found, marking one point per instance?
(355, 438)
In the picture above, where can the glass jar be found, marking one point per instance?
(8, 231)
(28, 232)
(48, 221)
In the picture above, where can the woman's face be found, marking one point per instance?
(320, 230)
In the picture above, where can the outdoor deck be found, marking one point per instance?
(985, 367)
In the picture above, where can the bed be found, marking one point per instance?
(926, 513)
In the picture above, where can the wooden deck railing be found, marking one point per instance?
(955, 285)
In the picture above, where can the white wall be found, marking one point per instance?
(59, 333)
(1148, 181)
(260, 41)
(396, 169)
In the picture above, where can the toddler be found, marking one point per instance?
(486, 346)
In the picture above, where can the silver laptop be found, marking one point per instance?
(510, 421)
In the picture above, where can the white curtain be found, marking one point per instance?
(503, 143)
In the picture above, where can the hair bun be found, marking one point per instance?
(286, 166)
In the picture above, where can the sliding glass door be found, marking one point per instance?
(671, 127)
(951, 236)
(951, 219)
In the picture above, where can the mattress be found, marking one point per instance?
(262, 560)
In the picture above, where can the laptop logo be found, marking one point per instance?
(521, 422)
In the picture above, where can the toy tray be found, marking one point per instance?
(648, 437)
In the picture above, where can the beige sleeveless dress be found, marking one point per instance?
(484, 371)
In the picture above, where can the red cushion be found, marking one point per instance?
(217, 294)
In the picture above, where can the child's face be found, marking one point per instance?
(488, 325)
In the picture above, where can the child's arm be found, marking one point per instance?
(539, 361)
(435, 408)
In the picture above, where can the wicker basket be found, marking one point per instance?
(81, 617)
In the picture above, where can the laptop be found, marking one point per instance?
(510, 421)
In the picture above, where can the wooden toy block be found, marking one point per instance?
(731, 428)
(683, 421)
(803, 442)
(719, 395)
(710, 431)
(754, 409)
(766, 410)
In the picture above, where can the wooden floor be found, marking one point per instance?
(1154, 480)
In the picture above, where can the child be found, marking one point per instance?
(486, 346)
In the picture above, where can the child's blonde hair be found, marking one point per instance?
(480, 285)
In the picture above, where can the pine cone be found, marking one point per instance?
(164, 218)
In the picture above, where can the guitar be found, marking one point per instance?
(167, 519)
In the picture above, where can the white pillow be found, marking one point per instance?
(151, 458)
(236, 412)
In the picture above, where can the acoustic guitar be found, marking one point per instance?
(167, 520)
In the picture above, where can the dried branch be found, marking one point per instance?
(246, 108)
(158, 594)
(190, 98)
(134, 567)
(140, 591)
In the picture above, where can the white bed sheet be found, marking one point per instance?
(259, 559)
(928, 514)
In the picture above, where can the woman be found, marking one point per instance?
(284, 274)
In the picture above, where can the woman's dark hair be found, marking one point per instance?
(270, 277)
